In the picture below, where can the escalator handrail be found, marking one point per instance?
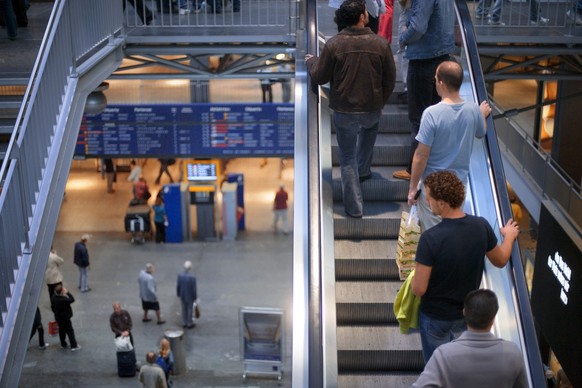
(308, 359)
(500, 188)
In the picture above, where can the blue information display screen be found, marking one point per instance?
(188, 130)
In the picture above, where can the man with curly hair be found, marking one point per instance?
(450, 260)
(445, 140)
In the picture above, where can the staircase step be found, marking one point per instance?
(380, 380)
(10, 102)
(6, 126)
(380, 187)
(389, 150)
(14, 79)
(380, 220)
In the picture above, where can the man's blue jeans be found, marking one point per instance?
(83, 279)
(434, 332)
(356, 135)
(483, 9)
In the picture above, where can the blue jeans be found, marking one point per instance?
(421, 94)
(356, 135)
(83, 279)
(9, 18)
(434, 332)
(483, 9)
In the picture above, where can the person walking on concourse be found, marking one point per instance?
(359, 66)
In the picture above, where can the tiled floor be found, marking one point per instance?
(255, 270)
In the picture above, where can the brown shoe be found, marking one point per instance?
(402, 174)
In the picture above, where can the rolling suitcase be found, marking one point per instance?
(126, 363)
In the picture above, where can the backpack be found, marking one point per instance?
(163, 364)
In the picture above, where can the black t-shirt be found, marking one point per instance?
(455, 249)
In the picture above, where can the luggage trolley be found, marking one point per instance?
(137, 221)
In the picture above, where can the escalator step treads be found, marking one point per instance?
(366, 292)
(366, 269)
(380, 361)
(363, 249)
(376, 338)
(389, 150)
(377, 380)
(380, 220)
(365, 313)
(382, 186)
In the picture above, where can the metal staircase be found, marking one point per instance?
(38, 156)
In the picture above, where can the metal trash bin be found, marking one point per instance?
(176, 338)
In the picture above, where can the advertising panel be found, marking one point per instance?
(556, 295)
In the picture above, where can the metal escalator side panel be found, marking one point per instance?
(489, 198)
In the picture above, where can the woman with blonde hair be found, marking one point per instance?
(165, 358)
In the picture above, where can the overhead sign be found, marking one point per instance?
(556, 295)
(188, 130)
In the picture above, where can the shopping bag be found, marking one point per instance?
(408, 237)
(123, 344)
(53, 328)
(196, 310)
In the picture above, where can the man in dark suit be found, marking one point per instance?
(186, 291)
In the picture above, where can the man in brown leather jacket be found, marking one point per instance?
(359, 66)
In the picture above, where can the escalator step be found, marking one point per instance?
(371, 380)
(365, 313)
(380, 361)
(366, 269)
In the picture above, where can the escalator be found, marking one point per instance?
(356, 339)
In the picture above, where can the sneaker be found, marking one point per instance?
(495, 22)
(78, 347)
(402, 174)
(540, 22)
(87, 290)
(184, 11)
(43, 347)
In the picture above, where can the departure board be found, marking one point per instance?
(188, 130)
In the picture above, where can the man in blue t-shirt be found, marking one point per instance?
(446, 136)
(450, 260)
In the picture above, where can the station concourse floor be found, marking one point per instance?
(255, 270)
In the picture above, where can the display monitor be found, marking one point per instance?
(201, 172)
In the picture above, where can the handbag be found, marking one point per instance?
(196, 310)
(123, 344)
